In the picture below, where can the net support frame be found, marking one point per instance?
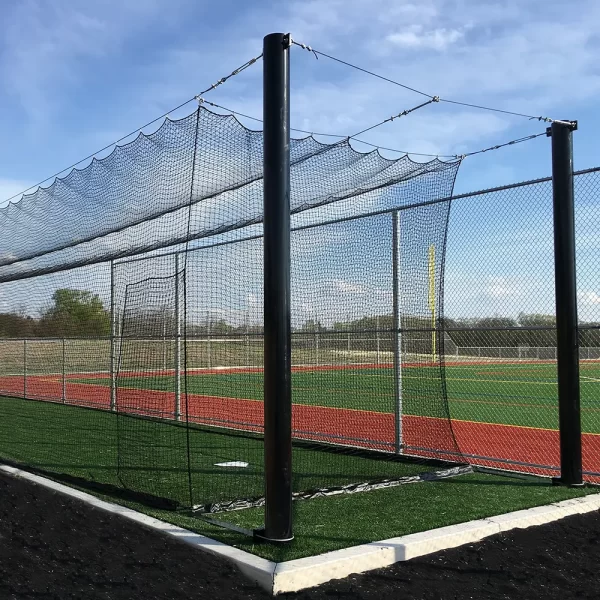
(113, 338)
(567, 334)
(164, 340)
(177, 366)
(397, 337)
(24, 368)
(64, 371)
(277, 273)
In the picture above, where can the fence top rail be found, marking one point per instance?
(52, 339)
(506, 347)
(127, 260)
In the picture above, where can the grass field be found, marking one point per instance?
(499, 410)
(326, 524)
(501, 414)
(509, 394)
(150, 456)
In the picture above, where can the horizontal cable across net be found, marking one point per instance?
(139, 197)
(152, 366)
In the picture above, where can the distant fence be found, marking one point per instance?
(519, 353)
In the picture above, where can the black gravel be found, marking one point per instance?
(55, 547)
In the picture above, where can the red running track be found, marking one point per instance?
(504, 446)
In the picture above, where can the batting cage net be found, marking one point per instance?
(131, 295)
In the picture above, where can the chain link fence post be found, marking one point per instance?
(64, 371)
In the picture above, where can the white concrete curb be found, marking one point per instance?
(295, 575)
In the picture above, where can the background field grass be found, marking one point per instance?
(509, 394)
(147, 455)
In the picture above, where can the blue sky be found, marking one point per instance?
(77, 75)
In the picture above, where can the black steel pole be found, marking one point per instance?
(567, 337)
(277, 325)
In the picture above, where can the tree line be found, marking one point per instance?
(71, 313)
(533, 330)
(80, 313)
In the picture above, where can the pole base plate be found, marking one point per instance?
(259, 536)
(559, 482)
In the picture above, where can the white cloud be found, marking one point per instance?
(499, 287)
(46, 45)
(10, 188)
(348, 287)
(416, 37)
(592, 298)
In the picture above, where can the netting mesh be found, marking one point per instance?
(194, 177)
(500, 326)
(167, 349)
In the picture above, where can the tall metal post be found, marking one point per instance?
(397, 335)
(24, 368)
(247, 342)
(567, 354)
(177, 342)
(277, 323)
(208, 334)
(348, 344)
(113, 338)
(64, 371)
(377, 334)
(164, 341)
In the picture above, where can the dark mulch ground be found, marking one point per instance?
(54, 547)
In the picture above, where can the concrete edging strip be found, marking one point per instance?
(302, 573)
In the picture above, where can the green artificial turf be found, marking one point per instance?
(335, 522)
(150, 456)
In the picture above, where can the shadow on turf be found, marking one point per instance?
(107, 489)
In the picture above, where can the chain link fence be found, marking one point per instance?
(499, 325)
(407, 337)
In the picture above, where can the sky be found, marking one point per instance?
(77, 75)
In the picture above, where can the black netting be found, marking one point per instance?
(143, 343)
(500, 326)
(139, 197)
(153, 452)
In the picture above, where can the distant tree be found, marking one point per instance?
(219, 327)
(312, 326)
(536, 320)
(17, 325)
(76, 313)
(537, 337)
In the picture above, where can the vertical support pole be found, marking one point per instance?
(113, 339)
(397, 336)
(431, 268)
(164, 341)
(64, 371)
(177, 342)
(277, 327)
(247, 343)
(208, 332)
(567, 351)
(378, 345)
(348, 344)
(24, 368)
